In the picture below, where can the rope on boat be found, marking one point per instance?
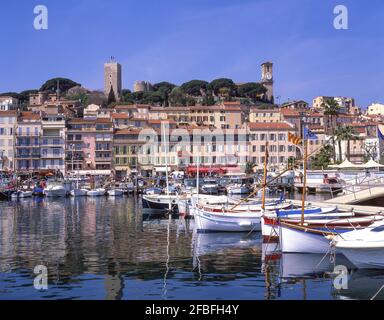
(375, 295)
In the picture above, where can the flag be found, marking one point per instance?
(294, 139)
(380, 130)
(309, 135)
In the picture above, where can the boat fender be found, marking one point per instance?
(245, 224)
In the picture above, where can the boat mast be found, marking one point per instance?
(305, 142)
(265, 176)
(166, 166)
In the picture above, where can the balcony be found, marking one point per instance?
(103, 159)
(28, 156)
(52, 156)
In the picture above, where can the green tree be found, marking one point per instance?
(331, 110)
(111, 97)
(163, 90)
(251, 90)
(64, 85)
(349, 134)
(195, 87)
(222, 87)
(323, 158)
(177, 97)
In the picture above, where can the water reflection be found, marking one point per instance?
(109, 248)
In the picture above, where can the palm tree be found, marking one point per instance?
(349, 135)
(331, 108)
(338, 135)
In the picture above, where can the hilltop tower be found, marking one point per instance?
(112, 78)
(267, 80)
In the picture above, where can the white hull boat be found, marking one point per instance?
(55, 191)
(364, 248)
(96, 192)
(21, 194)
(237, 189)
(294, 240)
(208, 221)
(79, 192)
(115, 192)
(315, 235)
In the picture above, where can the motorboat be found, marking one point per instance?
(79, 192)
(238, 189)
(96, 192)
(55, 191)
(21, 194)
(364, 248)
(115, 192)
(210, 186)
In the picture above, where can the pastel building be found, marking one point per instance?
(52, 142)
(28, 133)
(8, 121)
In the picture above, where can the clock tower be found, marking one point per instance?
(267, 80)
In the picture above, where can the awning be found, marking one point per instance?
(345, 165)
(371, 164)
(162, 169)
(95, 172)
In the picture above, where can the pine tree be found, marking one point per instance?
(111, 96)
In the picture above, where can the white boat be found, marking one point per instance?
(96, 192)
(270, 227)
(79, 192)
(55, 191)
(21, 194)
(364, 248)
(226, 221)
(315, 235)
(237, 189)
(115, 192)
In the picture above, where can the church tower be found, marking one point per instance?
(112, 78)
(267, 80)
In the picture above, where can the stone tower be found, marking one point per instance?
(267, 80)
(112, 78)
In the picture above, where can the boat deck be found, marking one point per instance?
(344, 207)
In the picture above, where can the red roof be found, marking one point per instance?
(270, 126)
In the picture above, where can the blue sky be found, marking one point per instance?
(180, 40)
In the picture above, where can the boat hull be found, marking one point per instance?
(300, 241)
(55, 192)
(210, 222)
(115, 193)
(79, 192)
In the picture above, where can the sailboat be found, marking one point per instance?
(78, 192)
(313, 235)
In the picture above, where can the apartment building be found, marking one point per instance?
(28, 134)
(276, 135)
(52, 142)
(8, 122)
(264, 115)
(8, 103)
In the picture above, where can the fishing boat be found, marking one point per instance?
(79, 192)
(210, 186)
(161, 202)
(115, 192)
(96, 192)
(21, 194)
(238, 189)
(55, 191)
(364, 248)
(314, 236)
(226, 221)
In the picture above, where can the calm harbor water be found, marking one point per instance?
(105, 248)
